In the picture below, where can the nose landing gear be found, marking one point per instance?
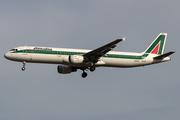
(23, 68)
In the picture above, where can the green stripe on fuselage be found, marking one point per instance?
(79, 53)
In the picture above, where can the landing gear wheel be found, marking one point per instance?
(24, 63)
(23, 68)
(92, 68)
(84, 74)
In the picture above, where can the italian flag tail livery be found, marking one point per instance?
(157, 46)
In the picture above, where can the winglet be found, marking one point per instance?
(124, 38)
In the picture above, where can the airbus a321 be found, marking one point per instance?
(71, 60)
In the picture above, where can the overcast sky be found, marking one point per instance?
(144, 93)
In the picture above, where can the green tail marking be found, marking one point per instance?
(160, 39)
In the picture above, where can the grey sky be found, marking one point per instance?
(150, 92)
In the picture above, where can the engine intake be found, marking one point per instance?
(64, 69)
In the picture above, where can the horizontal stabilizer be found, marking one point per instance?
(163, 56)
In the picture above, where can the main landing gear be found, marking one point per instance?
(92, 68)
(23, 68)
(84, 74)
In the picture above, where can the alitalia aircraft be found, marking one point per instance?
(73, 59)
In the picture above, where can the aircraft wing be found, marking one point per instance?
(94, 55)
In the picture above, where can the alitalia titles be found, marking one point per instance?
(38, 48)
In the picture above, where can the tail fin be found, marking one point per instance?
(157, 46)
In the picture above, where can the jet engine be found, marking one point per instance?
(64, 69)
(74, 59)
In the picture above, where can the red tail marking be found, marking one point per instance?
(155, 51)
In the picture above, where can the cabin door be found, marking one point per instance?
(27, 55)
(59, 53)
(25, 51)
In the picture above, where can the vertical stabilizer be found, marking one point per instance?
(157, 46)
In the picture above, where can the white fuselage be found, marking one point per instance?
(60, 56)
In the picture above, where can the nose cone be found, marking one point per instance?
(7, 55)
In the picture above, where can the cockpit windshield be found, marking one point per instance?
(13, 50)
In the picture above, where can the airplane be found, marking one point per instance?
(71, 60)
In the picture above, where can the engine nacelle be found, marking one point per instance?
(64, 69)
(76, 59)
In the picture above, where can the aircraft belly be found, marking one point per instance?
(42, 58)
(54, 59)
(118, 62)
